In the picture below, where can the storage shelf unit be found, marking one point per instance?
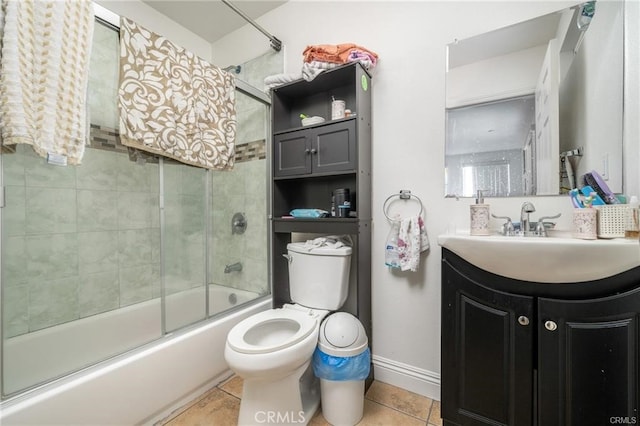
(310, 162)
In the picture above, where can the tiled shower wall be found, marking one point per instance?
(244, 189)
(84, 240)
(81, 240)
(77, 240)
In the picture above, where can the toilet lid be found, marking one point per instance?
(271, 330)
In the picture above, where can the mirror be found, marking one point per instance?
(532, 107)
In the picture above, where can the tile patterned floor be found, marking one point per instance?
(384, 405)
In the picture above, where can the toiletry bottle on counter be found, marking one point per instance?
(479, 216)
(632, 227)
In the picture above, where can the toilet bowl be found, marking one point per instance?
(272, 350)
(273, 342)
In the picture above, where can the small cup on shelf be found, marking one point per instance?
(585, 223)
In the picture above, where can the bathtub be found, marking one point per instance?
(132, 387)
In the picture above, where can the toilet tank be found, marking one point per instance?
(319, 277)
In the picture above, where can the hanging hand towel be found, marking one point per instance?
(412, 240)
(173, 103)
(46, 47)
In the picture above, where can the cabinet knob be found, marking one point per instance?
(550, 325)
(522, 320)
(313, 150)
(307, 151)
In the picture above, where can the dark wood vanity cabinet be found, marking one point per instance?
(523, 353)
(487, 355)
(588, 355)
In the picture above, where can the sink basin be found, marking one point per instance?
(554, 259)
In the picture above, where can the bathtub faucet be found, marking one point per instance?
(233, 267)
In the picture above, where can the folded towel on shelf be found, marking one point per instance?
(280, 79)
(310, 70)
(321, 57)
(330, 241)
(412, 240)
(338, 53)
(367, 59)
(309, 213)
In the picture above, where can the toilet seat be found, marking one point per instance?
(252, 335)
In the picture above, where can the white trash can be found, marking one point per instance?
(342, 344)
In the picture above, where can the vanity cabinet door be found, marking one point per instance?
(487, 353)
(588, 355)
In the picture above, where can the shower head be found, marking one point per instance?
(233, 68)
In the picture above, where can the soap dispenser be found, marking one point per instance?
(479, 216)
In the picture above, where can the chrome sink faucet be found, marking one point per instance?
(527, 207)
(524, 230)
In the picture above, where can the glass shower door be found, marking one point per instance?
(184, 244)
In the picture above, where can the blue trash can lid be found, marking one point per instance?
(342, 334)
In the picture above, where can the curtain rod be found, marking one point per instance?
(275, 43)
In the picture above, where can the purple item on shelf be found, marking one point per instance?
(594, 180)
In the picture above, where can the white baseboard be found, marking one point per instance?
(416, 380)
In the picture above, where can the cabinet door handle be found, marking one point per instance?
(307, 151)
(522, 320)
(314, 151)
(550, 325)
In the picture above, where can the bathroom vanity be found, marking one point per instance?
(519, 352)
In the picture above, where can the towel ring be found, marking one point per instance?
(404, 194)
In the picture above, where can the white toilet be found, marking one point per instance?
(272, 350)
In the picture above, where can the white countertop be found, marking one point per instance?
(554, 259)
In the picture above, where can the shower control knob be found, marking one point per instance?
(522, 320)
(550, 325)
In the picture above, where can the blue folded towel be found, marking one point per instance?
(309, 213)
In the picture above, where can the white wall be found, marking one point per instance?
(408, 145)
(631, 150)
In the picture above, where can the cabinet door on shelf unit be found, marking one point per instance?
(323, 149)
(588, 355)
(487, 353)
(335, 147)
(292, 154)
